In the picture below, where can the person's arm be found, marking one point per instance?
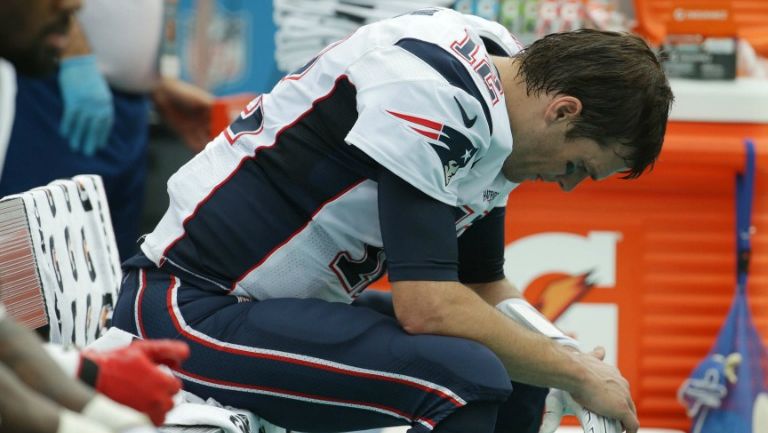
(23, 410)
(419, 235)
(481, 267)
(88, 112)
(450, 308)
(422, 255)
(21, 351)
(495, 292)
(129, 374)
(186, 108)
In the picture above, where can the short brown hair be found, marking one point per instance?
(619, 80)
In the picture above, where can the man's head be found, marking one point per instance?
(33, 33)
(599, 103)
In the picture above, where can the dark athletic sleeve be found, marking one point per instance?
(481, 249)
(419, 232)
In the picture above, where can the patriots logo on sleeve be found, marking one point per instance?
(454, 149)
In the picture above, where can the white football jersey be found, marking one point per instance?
(283, 203)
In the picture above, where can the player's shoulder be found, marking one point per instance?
(431, 138)
(438, 46)
(443, 26)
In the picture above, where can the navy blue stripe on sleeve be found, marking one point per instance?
(449, 67)
(481, 249)
(418, 231)
(493, 48)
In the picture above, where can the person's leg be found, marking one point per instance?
(311, 365)
(479, 417)
(22, 409)
(523, 410)
(521, 413)
(376, 300)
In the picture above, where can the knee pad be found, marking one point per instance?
(468, 362)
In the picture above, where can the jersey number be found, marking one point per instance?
(249, 122)
(356, 274)
(467, 49)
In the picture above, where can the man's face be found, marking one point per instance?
(33, 33)
(542, 152)
(567, 162)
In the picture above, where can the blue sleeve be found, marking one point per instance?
(419, 232)
(481, 249)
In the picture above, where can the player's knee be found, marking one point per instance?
(487, 368)
(472, 363)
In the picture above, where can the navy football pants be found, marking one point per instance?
(317, 366)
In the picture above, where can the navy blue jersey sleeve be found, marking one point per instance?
(481, 249)
(418, 231)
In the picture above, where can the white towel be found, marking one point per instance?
(191, 410)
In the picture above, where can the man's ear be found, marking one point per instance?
(562, 107)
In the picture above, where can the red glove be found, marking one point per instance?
(130, 375)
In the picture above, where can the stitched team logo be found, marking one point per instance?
(490, 195)
(453, 148)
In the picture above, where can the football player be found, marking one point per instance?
(394, 150)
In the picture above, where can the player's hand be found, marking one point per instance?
(559, 403)
(88, 111)
(605, 391)
(131, 376)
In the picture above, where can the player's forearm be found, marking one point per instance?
(505, 297)
(452, 309)
(21, 351)
(496, 291)
(21, 410)
(529, 357)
